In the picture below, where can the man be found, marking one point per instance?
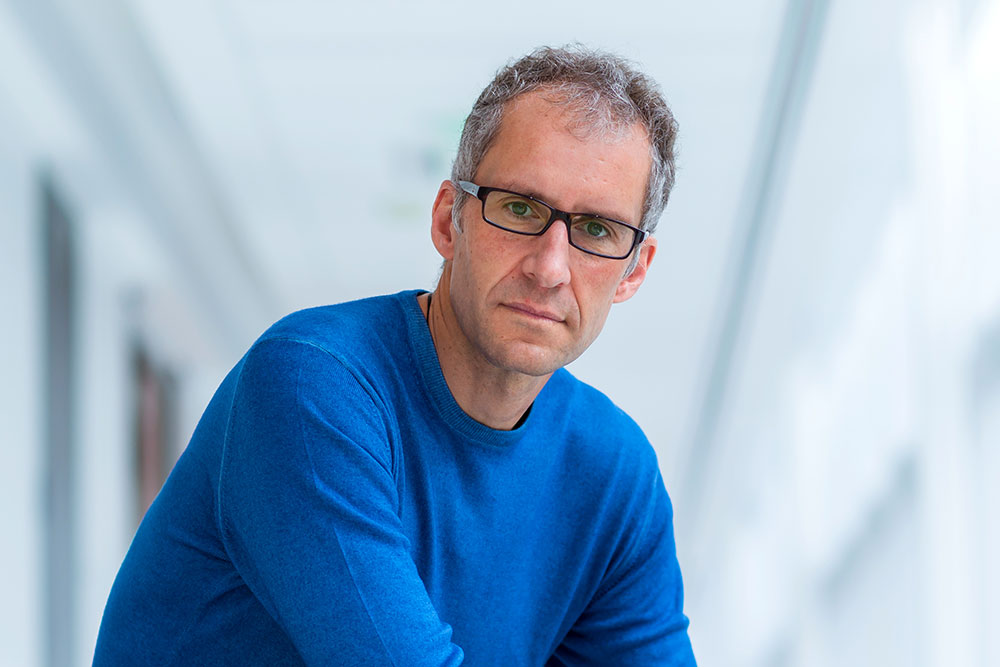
(413, 479)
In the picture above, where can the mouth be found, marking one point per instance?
(535, 313)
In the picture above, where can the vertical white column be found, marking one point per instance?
(950, 622)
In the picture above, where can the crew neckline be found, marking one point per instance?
(438, 393)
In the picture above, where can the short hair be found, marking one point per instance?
(601, 89)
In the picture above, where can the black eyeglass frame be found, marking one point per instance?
(480, 192)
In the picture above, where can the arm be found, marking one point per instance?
(636, 617)
(309, 513)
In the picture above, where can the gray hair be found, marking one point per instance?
(605, 94)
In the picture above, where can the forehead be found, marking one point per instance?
(548, 150)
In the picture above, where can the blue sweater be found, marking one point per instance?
(335, 506)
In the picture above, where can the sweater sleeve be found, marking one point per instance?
(308, 508)
(636, 617)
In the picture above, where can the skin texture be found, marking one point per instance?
(510, 310)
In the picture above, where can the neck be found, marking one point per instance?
(493, 396)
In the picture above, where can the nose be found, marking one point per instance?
(547, 261)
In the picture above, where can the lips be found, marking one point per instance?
(535, 311)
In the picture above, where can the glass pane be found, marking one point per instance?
(602, 236)
(516, 212)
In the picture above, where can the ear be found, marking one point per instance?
(630, 283)
(442, 231)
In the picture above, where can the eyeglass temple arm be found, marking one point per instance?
(469, 187)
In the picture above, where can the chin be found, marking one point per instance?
(528, 359)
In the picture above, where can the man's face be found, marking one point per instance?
(532, 304)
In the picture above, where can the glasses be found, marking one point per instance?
(521, 214)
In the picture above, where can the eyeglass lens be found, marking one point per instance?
(588, 233)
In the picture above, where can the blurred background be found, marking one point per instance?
(815, 355)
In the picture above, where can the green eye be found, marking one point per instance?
(595, 229)
(519, 208)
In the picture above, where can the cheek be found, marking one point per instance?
(474, 274)
(493, 262)
(596, 295)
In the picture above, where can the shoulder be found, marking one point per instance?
(345, 350)
(366, 336)
(325, 369)
(607, 461)
(598, 434)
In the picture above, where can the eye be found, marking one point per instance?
(595, 229)
(519, 208)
